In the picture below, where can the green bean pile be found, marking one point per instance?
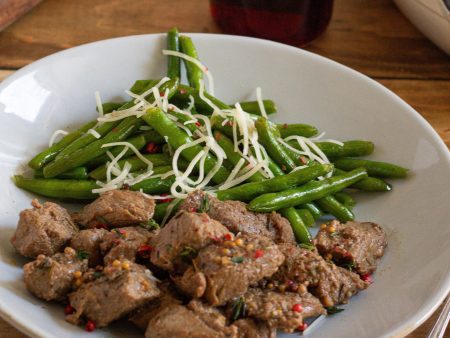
(300, 177)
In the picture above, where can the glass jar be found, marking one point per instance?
(295, 22)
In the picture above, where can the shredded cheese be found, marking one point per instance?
(196, 62)
(260, 102)
(55, 135)
(98, 101)
(94, 133)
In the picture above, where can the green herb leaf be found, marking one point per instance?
(331, 310)
(204, 204)
(150, 225)
(188, 253)
(307, 246)
(334, 234)
(237, 259)
(349, 266)
(239, 309)
(97, 274)
(81, 254)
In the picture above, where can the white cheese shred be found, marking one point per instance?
(196, 62)
(98, 101)
(260, 102)
(94, 133)
(55, 135)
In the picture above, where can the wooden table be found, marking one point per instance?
(369, 36)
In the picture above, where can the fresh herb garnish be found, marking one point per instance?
(349, 266)
(150, 225)
(237, 259)
(204, 204)
(307, 246)
(188, 253)
(334, 234)
(81, 254)
(97, 274)
(331, 310)
(239, 309)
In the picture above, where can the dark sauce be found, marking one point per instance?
(294, 22)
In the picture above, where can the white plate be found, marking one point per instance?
(414, 275)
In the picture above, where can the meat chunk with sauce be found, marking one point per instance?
(231, 266)
(235, 216)
(141, 316)
(186, 233)
(194, 320)
(45, 229)
(249, 328)
(117, 208)
(328, 282)
(88, 241)
(284, 311)
(125, 243)
(51, 278)
(118, 291)
(359, 245)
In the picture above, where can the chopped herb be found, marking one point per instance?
(334, 234)
(331, 310)
(169, 247)
(102, 220)
(97, 274)
(120, 232)
(349, 266)
(81, 254)
(150, 225)
(307, 246)
(204, 204)
(188, 253)
(237, 259)
(239, 309)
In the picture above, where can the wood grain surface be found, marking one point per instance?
(11, 10)
(369, 36)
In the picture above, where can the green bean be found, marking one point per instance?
(104, 128)
(138, 141)
(109, 107)
(268, 137)
(161, 209)
(334, 207)
(194, 73)
(91, 151)
(84, 140)
(313, 209)
(367, 184)
(252, 107)
(306, 217)
(228, 147)
(301, 233)
(50, 153)
(334, 151)
(154, 186)
(309, 192)
(153, 137)
(374, 168)
(173, 62)
(141, 86)
(57, 188)
(297, 129)
(346, 199)
(136, 163)
(183, 93)
(177, 137)
(249, 191)
(79, 173)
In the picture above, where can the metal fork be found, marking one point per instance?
(442, 322)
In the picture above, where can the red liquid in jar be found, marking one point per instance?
(295, 22)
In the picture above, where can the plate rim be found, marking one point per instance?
(401, 329)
